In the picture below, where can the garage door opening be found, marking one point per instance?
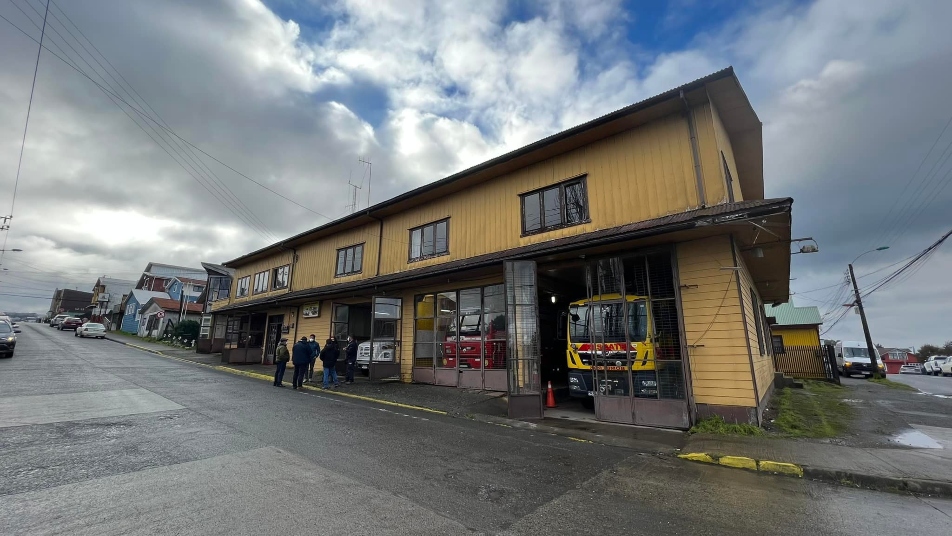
(559, 286)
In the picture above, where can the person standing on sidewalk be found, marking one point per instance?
(329, 359)
(281, 358)
(301, 357)
(350, 357)
(315, 353)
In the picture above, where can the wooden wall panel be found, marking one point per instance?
(763, 362)
(714, 186)
(714, 323)
(279, 259)
(724, 146)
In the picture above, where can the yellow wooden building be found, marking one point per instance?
(794, 326)
(663, 199)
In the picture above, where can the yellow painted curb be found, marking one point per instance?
(580, 440)
(781, 468)
(738, 462)
(697, 457)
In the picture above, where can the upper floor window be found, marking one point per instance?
(556, 206)
(130, 309)
(242, 289)
(350, 260)
(431, 240)
(261, 282)
(280, 276)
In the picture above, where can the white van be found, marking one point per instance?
(852, 357)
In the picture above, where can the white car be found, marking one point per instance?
(931, 366)
(383, 353)
(910, 368)
(945, 369)
(91, 329)
(57, 319)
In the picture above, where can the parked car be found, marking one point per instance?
(70, 323)
(945, 369)
(383, 352)
(91, 329)
(55, 322)
(910, 368)
(8, 340)
(931, 366)
(16, 328)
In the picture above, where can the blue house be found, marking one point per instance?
(192, 288)
(132, 308)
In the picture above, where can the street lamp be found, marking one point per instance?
(873, 358)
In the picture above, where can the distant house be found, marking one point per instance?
(191, 288)
(108, 295)
(158, 277)
(152, 325)
(894, 358)
(68, 301)
(793, 326)
(132, 308)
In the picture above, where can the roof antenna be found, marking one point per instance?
(370, 175)
(353, 196)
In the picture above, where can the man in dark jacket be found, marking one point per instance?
(301, 357)
(329, 359)
(315, 353)
(350, 357)
(281, 358)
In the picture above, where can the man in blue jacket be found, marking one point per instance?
(315, 352)
(301, 357)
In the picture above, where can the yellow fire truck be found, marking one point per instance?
(603, 334)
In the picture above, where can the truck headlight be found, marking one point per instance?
(573, 379)
(847, 364)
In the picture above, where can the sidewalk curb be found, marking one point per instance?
(918, 486)
(259, 376)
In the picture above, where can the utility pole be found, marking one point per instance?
(873, 358)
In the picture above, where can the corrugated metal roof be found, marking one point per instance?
(788, 314)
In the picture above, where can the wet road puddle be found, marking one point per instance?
(916, 439)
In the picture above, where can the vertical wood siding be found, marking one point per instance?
(798, 336)
(724, 146)
(278, 259)
(763, 362)
(317, 261)
(714, 324)
(715, 189)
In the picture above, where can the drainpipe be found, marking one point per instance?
(695, 152)
(379, 241)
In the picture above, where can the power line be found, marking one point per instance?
(221, 195)
(26, 124)
(150, 119)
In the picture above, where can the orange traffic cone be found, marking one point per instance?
(550, 397)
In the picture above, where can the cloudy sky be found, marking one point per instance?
(852, 94)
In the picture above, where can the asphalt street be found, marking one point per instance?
(934, 385)
(99, 438)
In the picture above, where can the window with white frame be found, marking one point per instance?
(280, 279)
(261, 282)
(350, 260)
(242, 288)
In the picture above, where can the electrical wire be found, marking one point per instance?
(26, 124)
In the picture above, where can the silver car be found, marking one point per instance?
(91, 329)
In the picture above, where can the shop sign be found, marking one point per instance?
(311, 310)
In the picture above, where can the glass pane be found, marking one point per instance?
(445, 327)
(441, 238)
(341, 313)
(340, 262)
(358, 258)
(340, 331)
(387, 308)
(349, 262)
(552, 207)
(531, 217)
(416, 237)
(423, 353)
(670, 380)
(428, 240)
(424, 307)
(574, 203)
(494, 298)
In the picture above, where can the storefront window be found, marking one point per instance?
(465, 329)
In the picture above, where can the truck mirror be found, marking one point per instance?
(575, 317)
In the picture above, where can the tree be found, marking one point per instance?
(928, 350)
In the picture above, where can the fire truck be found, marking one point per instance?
(604, 332)
(467, 333)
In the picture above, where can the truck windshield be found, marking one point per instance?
(855, 352)
(608, 322)
(468, 326)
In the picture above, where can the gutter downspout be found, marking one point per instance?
(695, 152)
(379, 241)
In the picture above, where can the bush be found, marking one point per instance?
(188, 329)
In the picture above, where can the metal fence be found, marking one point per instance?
(808, 362)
